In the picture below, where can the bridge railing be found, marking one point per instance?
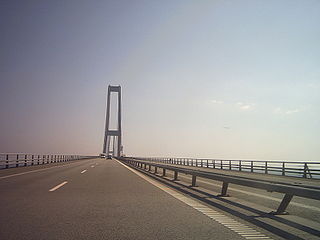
(309, 188)
(284, 168)
(9, 160)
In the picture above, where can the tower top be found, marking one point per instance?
(114, 88)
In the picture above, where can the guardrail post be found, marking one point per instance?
(266, 168)
(305, 170)
(194, 180)
(224, 190)
(283, 205)
(25, 160)
(175, 177)
(7, 161)
(214, 163)
(155, 170)
(240, 167)
(201, 163)
(17, 162)
(207, 163)
(149, 167)
(163, 172)
(229, 164)
(283, 169)
(251, 166)
(38, 159)
(221, 166)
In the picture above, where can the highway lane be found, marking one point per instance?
(251, 205)
(10, 172)
(107, 201)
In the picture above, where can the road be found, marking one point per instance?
(251, 205)
(105, 199)
(100, 199)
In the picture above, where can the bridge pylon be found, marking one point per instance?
(113, 136)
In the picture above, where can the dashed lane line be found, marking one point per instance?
(84, 171)
(58, 186)
(237, 227)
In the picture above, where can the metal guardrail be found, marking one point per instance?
(18, 159)
(289, 189)
(294, 169)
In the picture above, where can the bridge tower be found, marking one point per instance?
(113, 135)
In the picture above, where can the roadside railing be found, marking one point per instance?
(10, 160)
(294, 169)
(309, 189)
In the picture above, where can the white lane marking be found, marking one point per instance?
(84, 171)
(38, 170)
(264, 196)
(92, 165)
(218, 217)
(257, 237)
(58, 186)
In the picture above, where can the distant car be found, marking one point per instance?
(109, 157)
(102, 155)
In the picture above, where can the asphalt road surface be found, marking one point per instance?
(102, 199)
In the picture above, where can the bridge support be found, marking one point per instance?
(175, 176)
(283, 205)
(114, 135)
(193, 182)
(224, 190)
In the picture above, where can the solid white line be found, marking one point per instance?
(252, 235)
(58, 186)
(220, 218)
(84, 171)
(257, 237)
(92, 165)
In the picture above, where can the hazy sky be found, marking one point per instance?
(221, 79)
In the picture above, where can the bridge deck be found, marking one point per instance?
(107, 201)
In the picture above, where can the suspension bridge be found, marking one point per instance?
(110, 196)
